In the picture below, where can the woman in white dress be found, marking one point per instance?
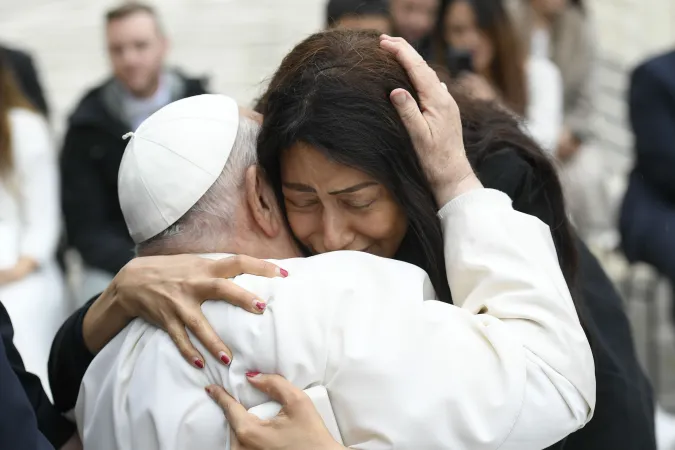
(501, 70)
(31, 285)
(563, 32)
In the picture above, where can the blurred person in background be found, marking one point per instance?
(22, 66)
(648, 211)
(560, 30)
(414, 21)
(500, 69)
(359, 15)
(28, 420)
(31, 286)
(140, 85)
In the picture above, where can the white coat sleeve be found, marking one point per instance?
(544, 113)
(37, 171)
(503, 264)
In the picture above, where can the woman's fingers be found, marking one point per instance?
(235, 444)
(245, 425)
(241, 264)
(279, 389)
(179, 336)
(219, 288)
(230, 292)
(236, 414)
(196, 322)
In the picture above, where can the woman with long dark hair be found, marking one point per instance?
(30, 280)
(501, 69)
(298, 111)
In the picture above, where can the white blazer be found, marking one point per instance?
(507, 367)
(30, 226)
(545, 109)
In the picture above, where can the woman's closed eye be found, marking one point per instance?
(302, 203)
(359, 204)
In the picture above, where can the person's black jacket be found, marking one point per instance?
(28, 420)
(648, 211)
(26, 75)
(90, 160)
(624, 414)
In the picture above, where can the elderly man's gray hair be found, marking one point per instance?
(208, 225)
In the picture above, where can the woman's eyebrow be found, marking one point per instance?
(299, 187)
(305, 188)
(356, 187)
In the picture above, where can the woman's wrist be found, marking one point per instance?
(105, 318)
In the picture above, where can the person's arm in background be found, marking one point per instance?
(544, 112)
(25, 405)
(579, 111)
(652, 115)
(85, 206)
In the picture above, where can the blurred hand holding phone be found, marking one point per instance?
(459, 62)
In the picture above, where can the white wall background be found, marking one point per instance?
(237, 43)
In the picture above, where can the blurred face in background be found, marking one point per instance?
(549, 8)
(461, 31)
(382, 24)
(414, 20)
(137, 49)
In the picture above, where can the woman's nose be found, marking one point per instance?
(337, 235)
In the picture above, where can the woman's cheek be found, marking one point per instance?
(384, 224)
(302, 225)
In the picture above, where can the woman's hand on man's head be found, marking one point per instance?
(434, 126)
(168, 291)
(298, 425)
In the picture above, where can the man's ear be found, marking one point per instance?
(262, 202)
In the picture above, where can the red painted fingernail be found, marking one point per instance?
(224, 358)
(283, 272)
(208, 390)
(252, 374)
(199, 363)
(260, 306)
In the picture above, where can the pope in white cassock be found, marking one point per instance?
(508, 366)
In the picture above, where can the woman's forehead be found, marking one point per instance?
(303, 161)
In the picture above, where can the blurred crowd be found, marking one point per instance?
(534, 58)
